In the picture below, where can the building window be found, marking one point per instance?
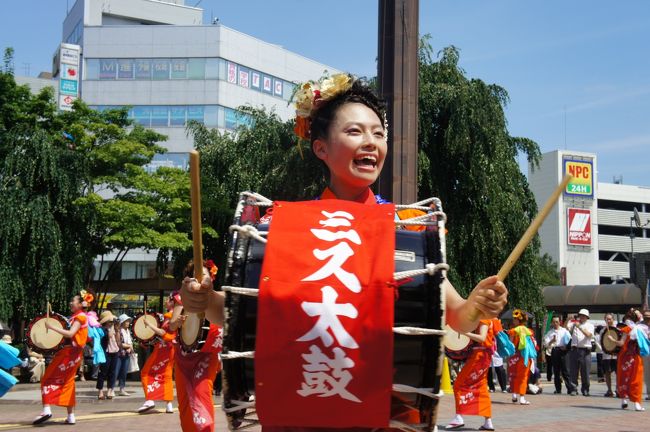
(188, 69)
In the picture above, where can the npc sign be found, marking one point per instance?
(579, 227)
(582, 183)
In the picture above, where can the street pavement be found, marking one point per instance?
(547, 412)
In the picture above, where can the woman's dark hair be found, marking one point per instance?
(360, 92)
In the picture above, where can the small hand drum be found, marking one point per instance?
(457, 345)
(145, 333)
(609, 346)
(193, 333)
(42, 340)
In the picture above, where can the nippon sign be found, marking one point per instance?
(579, 227)
(66, 101)
(582, 183)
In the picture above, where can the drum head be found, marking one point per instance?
(455, 341)
(142, 332)
(41, 337)
(191, 330)
(608, 345)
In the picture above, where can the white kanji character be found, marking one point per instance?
(328, 312)
(334, 219)
(326, 376)
(339, 253)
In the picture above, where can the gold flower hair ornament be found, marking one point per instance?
(519, 314)
(86, 297)
(311, 95)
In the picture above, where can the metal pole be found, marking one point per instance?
(397, 80)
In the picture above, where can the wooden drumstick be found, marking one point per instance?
(47, 315)
(195, 195)
(528, 235)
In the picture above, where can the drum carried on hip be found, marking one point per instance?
(193, 333)
(457, 346)
(420, 268)
(143, 327)
(609, 346)
(42, 340)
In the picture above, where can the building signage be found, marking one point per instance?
(70, 54)
(65, 102)
(579, 227)
(68, 87)
(582, 183)
(68, 68)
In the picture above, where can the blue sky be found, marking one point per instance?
(588, 58)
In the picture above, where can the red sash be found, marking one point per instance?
(324, 351)
(195, 374)
(57, 383)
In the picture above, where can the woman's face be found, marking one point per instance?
(126, 324)
(516, 322)
(170, 304)
(75, 304)
(355, 147)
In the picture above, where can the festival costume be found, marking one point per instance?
(156, 374)
(8, 359)
(58, 382)
(470, 388)
(195, 373)
(520, 363)
(629, 370)
(400, 411)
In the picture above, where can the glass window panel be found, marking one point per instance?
(178, 114)
(142, 115)
(211, 68)
(231, 119)
(222, 69)
(288, 90)
(159, 116)
(267, 84)
(221, 117)
(195, 112)
(92, 69)
(143, 69)
(210, 115)
(107, 69)
(125, 69)
(243, 77)
(256, 80)
(179, 68)
(277, 87)
(196, 68)
(160, 68)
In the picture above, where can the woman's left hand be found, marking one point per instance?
(489, 297)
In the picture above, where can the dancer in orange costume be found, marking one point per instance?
(470, 388)
(195, 373)
(156, 374)
(629, 369)
(520, 363)
(58, 382)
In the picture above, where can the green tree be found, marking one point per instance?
(549, 275)
(73, 187)
(263, 157)
(469, 160)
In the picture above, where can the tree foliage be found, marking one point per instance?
(264, 158)
(469, 160)
(74, 185)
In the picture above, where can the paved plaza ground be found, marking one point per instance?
(547, 412)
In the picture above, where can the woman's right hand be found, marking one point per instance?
(195, 295)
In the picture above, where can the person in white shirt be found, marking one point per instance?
(609, 360)
(557, 342)
(646, 359)
(582, 332)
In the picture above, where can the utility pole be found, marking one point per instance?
(398, 84)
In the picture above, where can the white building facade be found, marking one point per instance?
(588, 232)
(158, 58)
